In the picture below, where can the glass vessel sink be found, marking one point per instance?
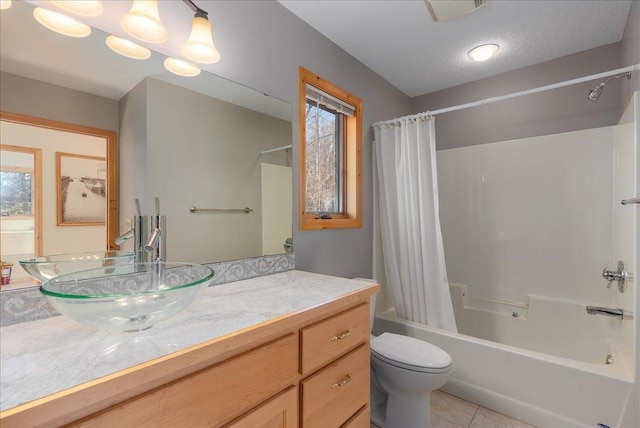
(47, 267)
(130, 297)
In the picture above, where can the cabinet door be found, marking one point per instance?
(334, 394)
(279, 412)
(210, 397)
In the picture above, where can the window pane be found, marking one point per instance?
(323, 159)
(15, 193)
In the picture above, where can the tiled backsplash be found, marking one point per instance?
(28, 304)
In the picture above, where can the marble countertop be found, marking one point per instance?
(42, 357)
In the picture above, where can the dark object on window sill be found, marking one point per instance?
(324, 216)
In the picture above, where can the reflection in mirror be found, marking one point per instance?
(58, 184)
(203, 141)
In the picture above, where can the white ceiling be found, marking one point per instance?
(400, 41)
(395, 38)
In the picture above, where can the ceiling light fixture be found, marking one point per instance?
(61, 23)
(181, 68)
(199, 47)
(126, 48)
(5, 4)
(483, 52)
(83, 8)
(143, 22)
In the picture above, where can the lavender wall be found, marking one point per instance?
(35, 98)
(264, 44)
(559, 110)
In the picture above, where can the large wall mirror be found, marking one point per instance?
(202, 141)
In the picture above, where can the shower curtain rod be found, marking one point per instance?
(631, 68)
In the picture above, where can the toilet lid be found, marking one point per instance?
(410, 353)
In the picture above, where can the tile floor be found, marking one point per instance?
(448, 411)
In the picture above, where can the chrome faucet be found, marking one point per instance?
(156, 245)
(124, 237)
(620, 314)
(140, 232)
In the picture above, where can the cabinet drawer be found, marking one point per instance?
(362, 419)
(328, 339)
(212, 396)
(331, 396)
(279, 412)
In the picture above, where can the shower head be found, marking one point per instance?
(595, 93)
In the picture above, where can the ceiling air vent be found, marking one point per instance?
(446, 10)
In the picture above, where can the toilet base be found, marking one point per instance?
(403, 412)
(407, 412)
(377, 415)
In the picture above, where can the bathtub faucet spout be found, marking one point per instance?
(610, 312)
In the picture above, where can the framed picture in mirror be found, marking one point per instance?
(81, 189)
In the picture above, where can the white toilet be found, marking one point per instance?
(404, 371)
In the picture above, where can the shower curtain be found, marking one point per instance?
(412, 247)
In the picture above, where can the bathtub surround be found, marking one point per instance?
(502, 220)
(28, 304)
(522, 217)
(409, 221)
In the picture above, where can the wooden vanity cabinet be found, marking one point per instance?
(309, 369)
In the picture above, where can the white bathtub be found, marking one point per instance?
(538, 388)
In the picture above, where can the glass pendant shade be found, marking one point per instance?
(199, 47)
(127, 48)
(5, 4)
(143, 22)
(181, 68)
(80, 7)
(61, 23)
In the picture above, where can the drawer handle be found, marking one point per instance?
(341, 336)
(345, 380)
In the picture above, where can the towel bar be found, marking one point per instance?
(245, 210)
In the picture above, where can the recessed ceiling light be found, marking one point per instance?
(5, 4)
(61, 23)
(181, 68)
(127, 48)
(483, 52)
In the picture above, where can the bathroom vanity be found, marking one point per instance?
(284, 350)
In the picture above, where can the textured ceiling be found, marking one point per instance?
(399, 40)
(395, 38)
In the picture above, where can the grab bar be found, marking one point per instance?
(630, 201)
(245, 210)
(620, 314)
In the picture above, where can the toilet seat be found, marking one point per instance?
(410, 354)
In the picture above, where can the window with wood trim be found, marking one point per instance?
(330, 155)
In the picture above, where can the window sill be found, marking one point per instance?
(312, 223)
